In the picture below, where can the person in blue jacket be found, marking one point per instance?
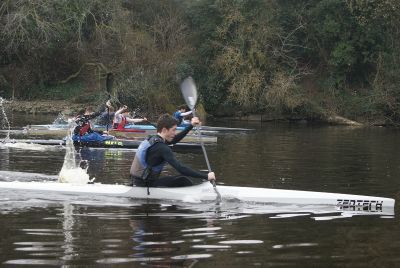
(180, 114)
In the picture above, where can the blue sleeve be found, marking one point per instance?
(177, 115)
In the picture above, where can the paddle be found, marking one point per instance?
(137, 112)
(109, 84)
(189, 92)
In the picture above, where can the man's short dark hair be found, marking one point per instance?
(183, 106)
(166, 121)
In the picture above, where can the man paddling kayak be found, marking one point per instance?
(179, 115)
(83, 131)
(154, 152)
(121, 118)
(106, 117)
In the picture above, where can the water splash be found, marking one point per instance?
(4, 120)
(71, 172)
(61, 120)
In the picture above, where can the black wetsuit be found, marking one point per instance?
(160, 153)
(106, 118)
(83, 122)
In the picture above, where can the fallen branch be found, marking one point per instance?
(339, 120)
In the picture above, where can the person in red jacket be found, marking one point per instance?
(121, 118)
(83, 130)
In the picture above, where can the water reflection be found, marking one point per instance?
(115, 231)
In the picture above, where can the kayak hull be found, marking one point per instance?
(115, 143)
(205, 192)
(127, 133)
(140, 127)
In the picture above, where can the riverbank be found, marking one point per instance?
(67, 108)
(44, 107)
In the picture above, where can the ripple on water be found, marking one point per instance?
(125, 260)
(244, 242)
(202, 229)
(191, 256)
(211, 246)
(39, 243)
(109, 251)
(34, 262)
(44, 249)
(210, 234)
(295, 245)
(43, 232)
(37, 249)
(151, 243)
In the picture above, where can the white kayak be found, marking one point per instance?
(205, 192)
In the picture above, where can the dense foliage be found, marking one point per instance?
(308, 59)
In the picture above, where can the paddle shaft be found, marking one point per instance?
(109, 85)
(140, 115)
(108, 117)
(203, 148)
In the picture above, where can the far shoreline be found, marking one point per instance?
(57, 107)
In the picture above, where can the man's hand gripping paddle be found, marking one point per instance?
(189, 92)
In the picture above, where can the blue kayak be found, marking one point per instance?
(140, 127)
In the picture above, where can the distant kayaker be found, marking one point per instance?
(83, 131)
(121, 118)
(154, 152)
(107, 116)
(179, 115)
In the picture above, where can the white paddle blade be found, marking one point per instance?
(189, 92)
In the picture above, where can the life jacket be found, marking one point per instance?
(120, 125)
(83, 125)
(178, 116)
(140, 168)
(84, 129)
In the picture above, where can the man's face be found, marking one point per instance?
(169, 134)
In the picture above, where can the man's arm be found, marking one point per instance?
(186, 113)
(98, 112)
(180, 135)
(136, 120)
(95, 114)
(119, 111)
(169, 157)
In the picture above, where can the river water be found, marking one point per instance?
(73, 231)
